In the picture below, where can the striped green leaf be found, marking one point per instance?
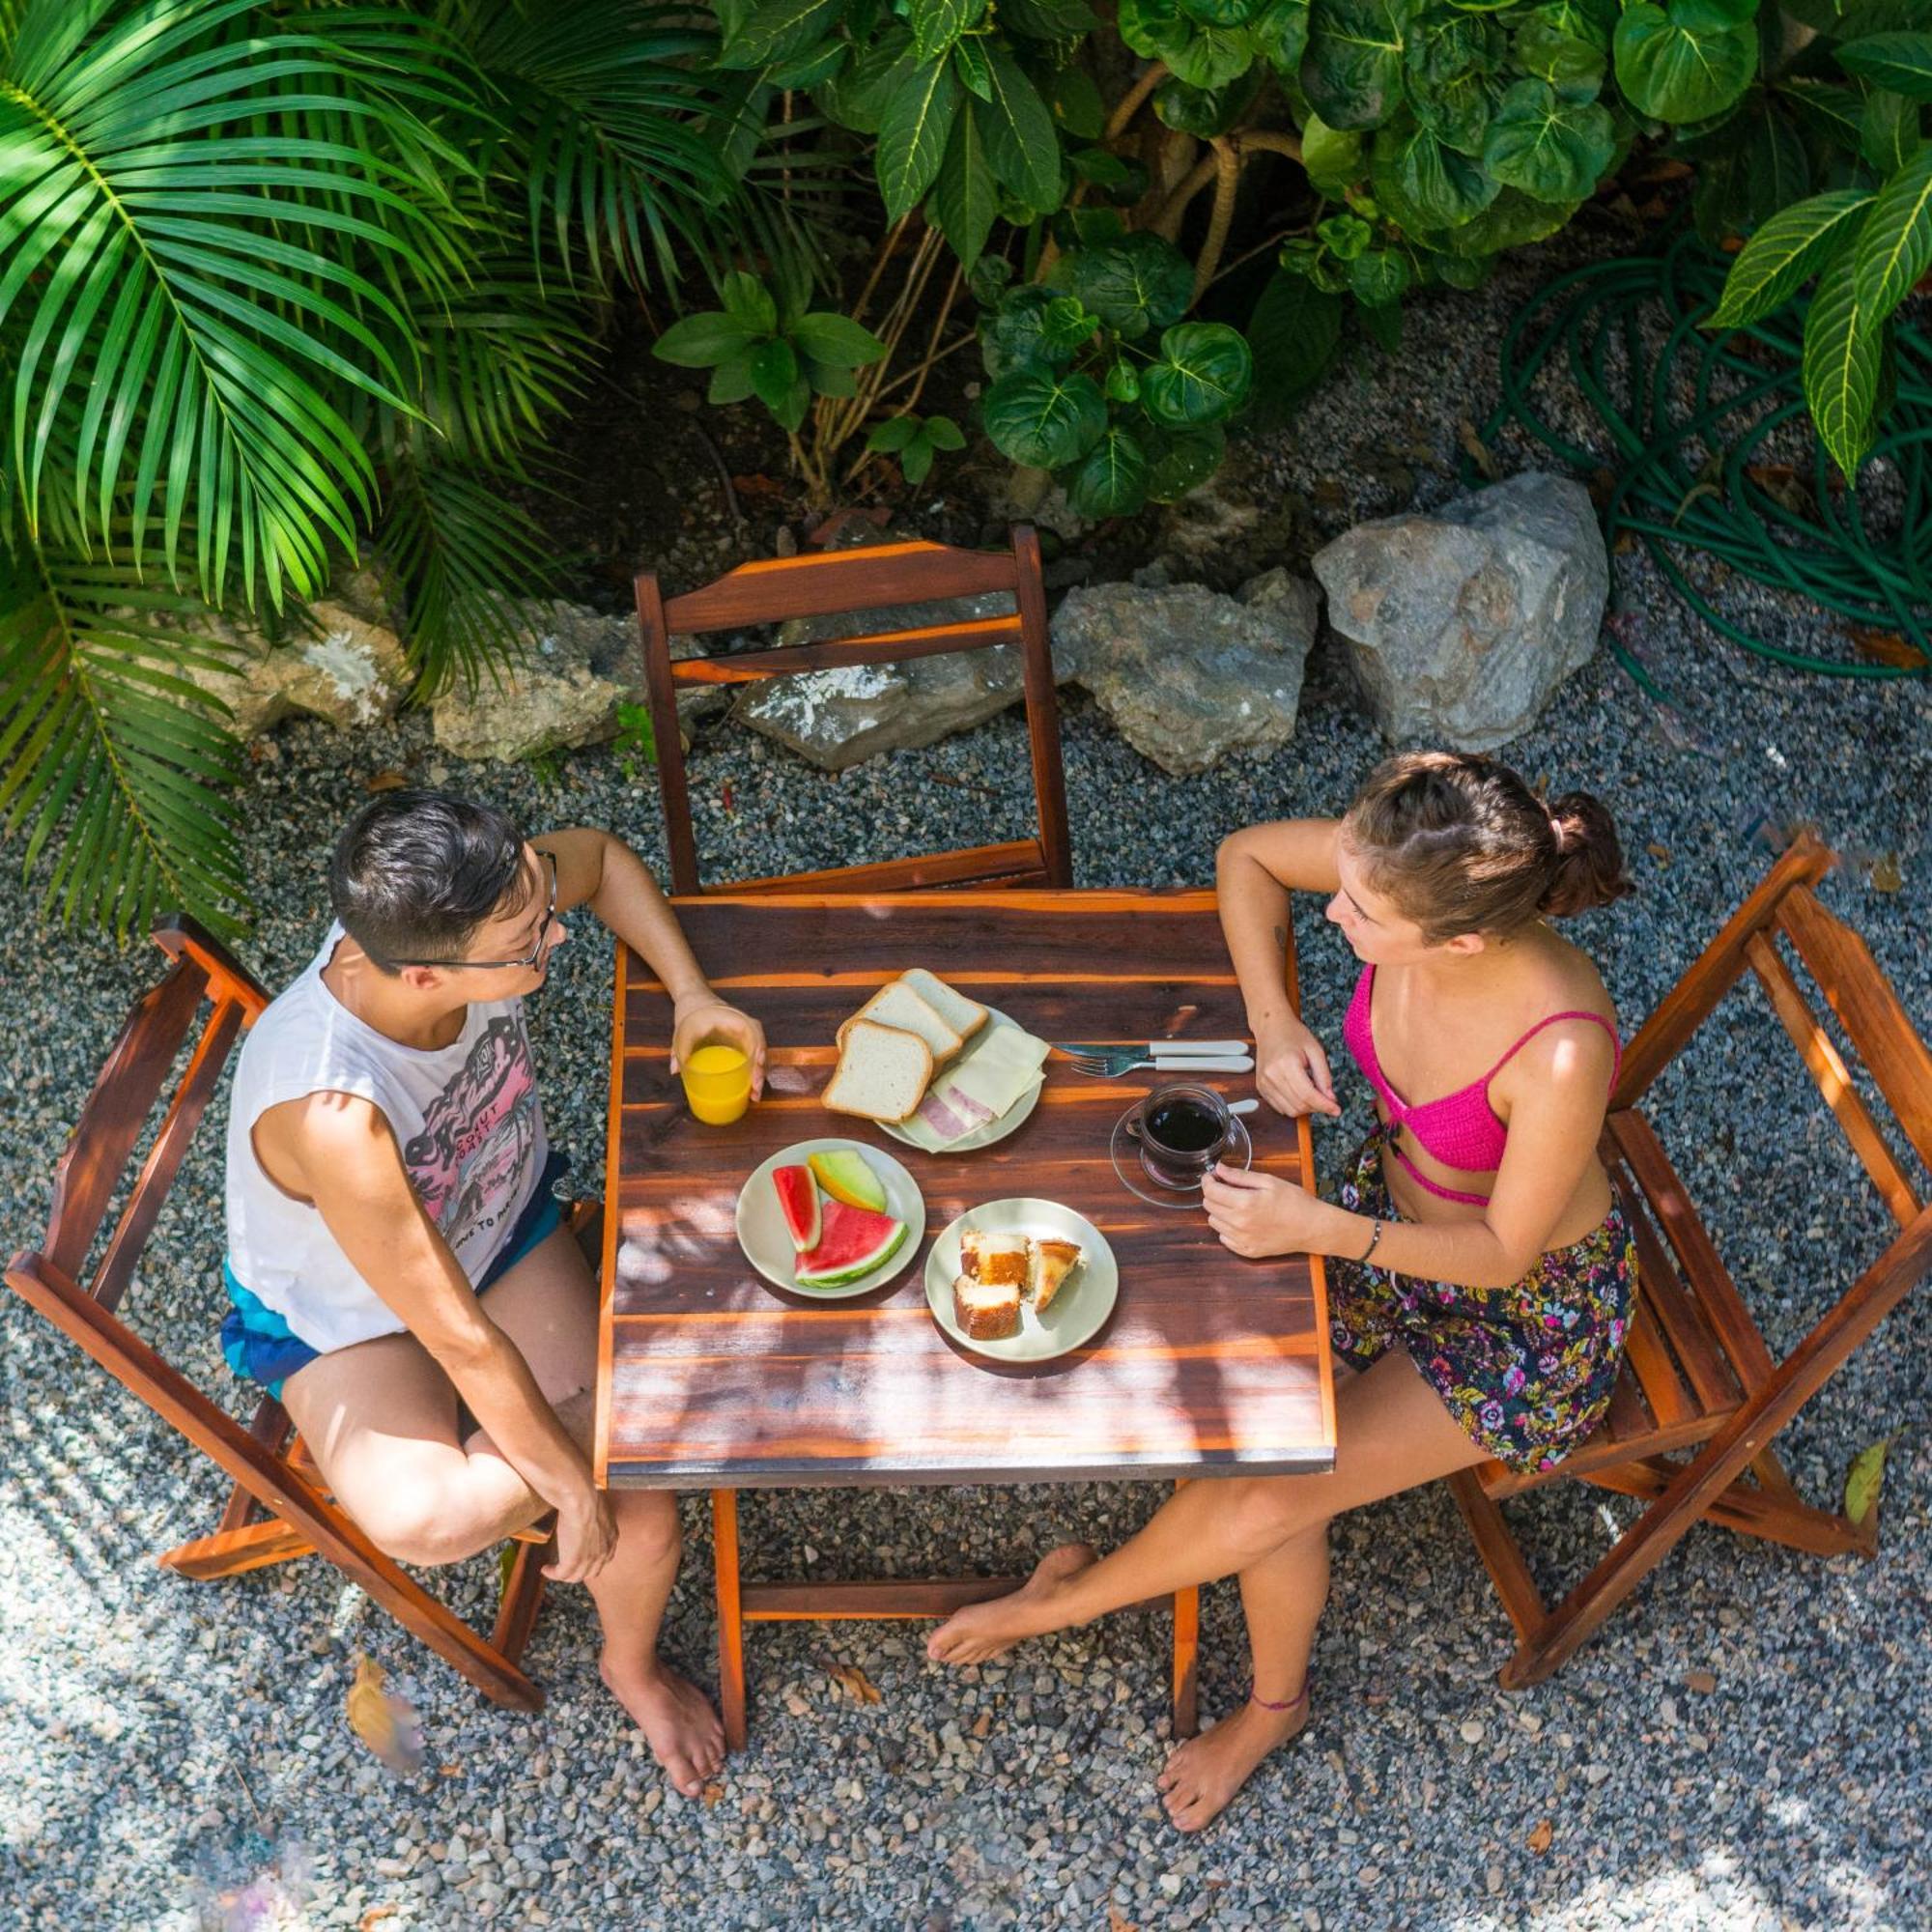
(1843, 344)
(1786, 252)
(1895, 242)
(918, 124)
(1900, 62)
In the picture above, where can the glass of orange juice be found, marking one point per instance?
(718, 1082)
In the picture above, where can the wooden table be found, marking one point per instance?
(709, 1379)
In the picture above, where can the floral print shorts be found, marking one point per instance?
(1526, 1369)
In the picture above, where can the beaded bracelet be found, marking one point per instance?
(1372, 1240)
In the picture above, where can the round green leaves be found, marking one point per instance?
(1552, 149)
(1045, 420)
(1688, 63)
(1202, 376)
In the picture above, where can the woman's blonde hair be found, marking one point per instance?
(1462, 844)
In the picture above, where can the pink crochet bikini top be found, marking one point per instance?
(1461, 1129)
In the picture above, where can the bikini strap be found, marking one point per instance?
(1550, 1019)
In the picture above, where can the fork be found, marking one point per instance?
(1109, 1062)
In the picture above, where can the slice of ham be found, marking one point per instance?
(951, 1114)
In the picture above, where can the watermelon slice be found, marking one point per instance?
(847, 1175)
(798, 1199)
(852, 1242)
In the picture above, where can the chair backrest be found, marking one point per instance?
(1854, 986)
(854, 581)
(98, 1155)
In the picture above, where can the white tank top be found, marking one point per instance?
(465, 1116)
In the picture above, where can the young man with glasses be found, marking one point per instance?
(398, 1269)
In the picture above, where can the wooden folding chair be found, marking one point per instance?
(864, 580)
(278, 1509)
(1700, 1397)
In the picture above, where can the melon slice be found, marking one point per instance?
(847, 1175)
(798, 1200)
(852, 1242)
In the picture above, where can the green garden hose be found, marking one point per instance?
(1689, 422)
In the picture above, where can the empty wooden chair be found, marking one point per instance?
(857, 580)
(276, 1508)
(1701, 1395)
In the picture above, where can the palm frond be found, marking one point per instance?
(460, 549)
(185, 264)
(113, 764)
(602, 104)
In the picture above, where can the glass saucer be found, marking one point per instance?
(1138, 1181)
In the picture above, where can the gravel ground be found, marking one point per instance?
(1742, 1748)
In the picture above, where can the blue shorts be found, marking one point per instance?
(262, 1347)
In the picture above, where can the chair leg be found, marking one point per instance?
(1186, 1649)
(523, 1598)
(1501, 1554)
(730, 1617)
(232, 1553)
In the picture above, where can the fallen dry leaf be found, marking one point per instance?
(385, 782)
(761, 489)
(450, 1769)
(1476, 450)
(1660, 853)
(374, 1915)
(1118, 1921)
(711, 1793)
(854, 1683)
(983, 1725)
(1540, 1836)
(1885, 647)
(1886, 877)
(1700, 1681)
(386, 1722)
(1865, 1476)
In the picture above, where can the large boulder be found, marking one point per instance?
(1461, 623)
(837, 717)
(341, 661)
(1188, 674)
(577, 668)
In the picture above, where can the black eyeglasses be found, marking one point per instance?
(534, 958)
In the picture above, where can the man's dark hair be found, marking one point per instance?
(416, 872)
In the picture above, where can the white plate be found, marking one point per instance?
(766, 1241)
(1085, 1301)
(918, 1134)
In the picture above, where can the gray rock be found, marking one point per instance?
(578, 667)
(837, 718)
(1461, 623)
(340, 662)
(1188, 674)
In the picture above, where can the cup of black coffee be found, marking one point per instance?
(1182, 1131)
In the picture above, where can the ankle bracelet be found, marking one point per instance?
(1267, 1704)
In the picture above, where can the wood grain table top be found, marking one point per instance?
(709, 1378)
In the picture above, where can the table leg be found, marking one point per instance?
(730, 1617)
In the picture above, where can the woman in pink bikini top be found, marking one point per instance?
(1479, 1284)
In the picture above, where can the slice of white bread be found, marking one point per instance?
(994, 1259)
(1049, 1261)
(882, 1073)
(986, 1310)
(897, 1005)
(963, 1015)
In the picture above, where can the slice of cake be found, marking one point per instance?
(1049, 1263)
(986, 1310)
(882, 1073)
(997, 1260)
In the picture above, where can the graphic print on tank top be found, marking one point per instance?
(473, 1161)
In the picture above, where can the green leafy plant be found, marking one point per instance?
(636, 744)
(759, 344)
(916, 440)
(276, 282)
(1826, 163)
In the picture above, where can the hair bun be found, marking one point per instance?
(1588, 868)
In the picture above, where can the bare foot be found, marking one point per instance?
(1204, 1773)
(983, 1632)
(675, 1716)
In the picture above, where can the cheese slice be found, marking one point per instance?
(987, 1082)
